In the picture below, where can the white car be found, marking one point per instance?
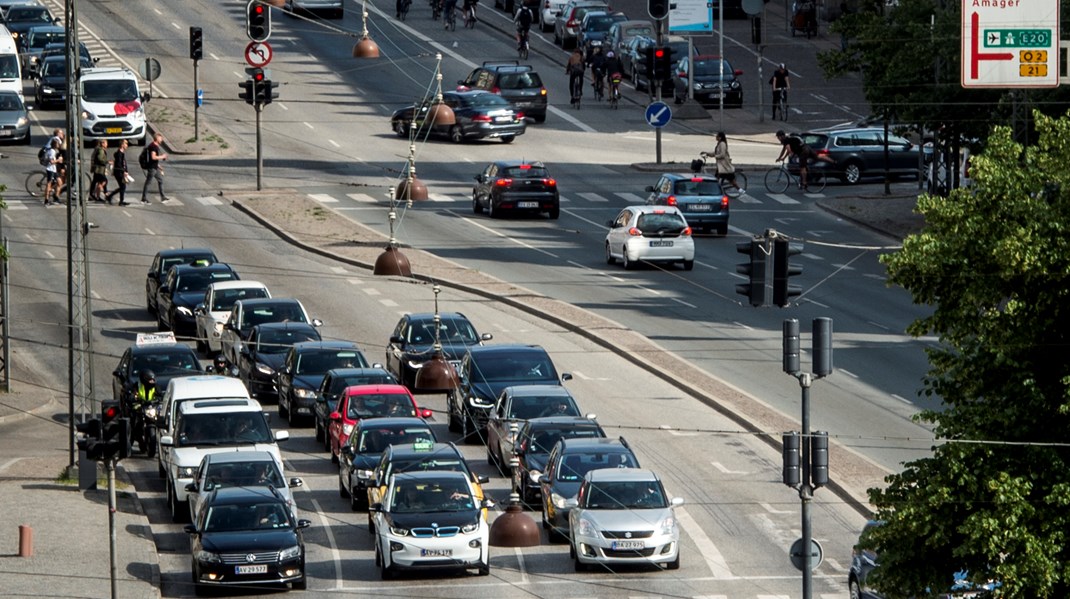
(549, 10)
(239, 469)
(650, 234)
(181, 389)
(215, 309)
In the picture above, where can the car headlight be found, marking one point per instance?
(22, 122)
(668, 525)
(150, 412)
(88, 116)
(48, 89)
(290, 552)
(399, 532)
(305, 393)
(478, 402)
(265, 369)
(186, 471)
(558, 501)
(735, 85)
(346, 429)
(219, 326)
(470, 528)
(414, 364)
(208, 556)
(534, 475)
(697, 86)
(585, 527)
(184, 311)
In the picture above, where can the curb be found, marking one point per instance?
(51, 404)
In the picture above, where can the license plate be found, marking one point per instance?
(503, 119)
(254, 569)
(700, 208)
(627, 545)
(112, 130)
(527, 204)
(436, 552)
(661, 243)
(6, 133)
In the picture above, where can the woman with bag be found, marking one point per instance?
(122, 175)
(725, 170)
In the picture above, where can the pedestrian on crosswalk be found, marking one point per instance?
(153, 168)
(122, 175)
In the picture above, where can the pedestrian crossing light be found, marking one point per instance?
(757, 271)
(783, 250)
(663, 63)
(257, 21)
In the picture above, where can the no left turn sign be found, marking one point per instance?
(258, 54)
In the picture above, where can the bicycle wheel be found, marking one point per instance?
(777, 180)
(35, 184)
(523, 51)
(740, 186)
(817, 182)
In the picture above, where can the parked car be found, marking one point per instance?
(478, 115)
(412, 342)
(859, 153)
(514, 186)
(707, 85)
(699, 198)
(518, 83)
(649, 234)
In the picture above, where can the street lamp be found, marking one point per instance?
(439, 113)
(436, 374)
(392, 262)
(365, 48)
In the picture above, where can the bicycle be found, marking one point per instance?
(780, 104)
(35, 185)
(732, 184)
(598, 82)
(436, 9)
(470, 16)
(522, 43)
(450, 19)
(575, 88)
(779, 178)
(614, 90)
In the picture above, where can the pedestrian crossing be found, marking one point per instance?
(577, 199)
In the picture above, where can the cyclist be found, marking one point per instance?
(781, 83)
(597, 62)
(523, 20)
(794, 146)
(469, 7)
(574, 68)
(448, 12)
(614, 68)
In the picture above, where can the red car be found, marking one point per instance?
(369, 401)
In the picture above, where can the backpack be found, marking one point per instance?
(143, 159)
(42, 156)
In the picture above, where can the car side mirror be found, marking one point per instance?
(117, 373)
(398, 340)
(544, 480)
(192, 488)
(296, 482)
(488, 503)
(199, 308)
(481, 479)
(611, 223)
(346, 450)
(676, 501)
(335, 416)
(282, 435)
(304, 523)
(486, 337)
(650, 188)
(190, 529)
(317, 322)
(145, 97)
(571, 502)
(375, 507)
(566, 376)
(426, 413)
(167, 441)
(164, 289)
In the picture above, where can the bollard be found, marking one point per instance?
(25, 541)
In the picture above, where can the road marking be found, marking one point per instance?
(901, 398)
(175, 25)
(439, 197)
(13, 205)
(848, 373)
(783, 199)
(835, 565)
(631, 198)
(389, 303)
(50, 255)
(520, 565)
(149, 231)
(503, 236)
(338, 270)
(373, 291)
(322, 198)
(772, 510)
(706, 548)
(725, 470)
(9, 463)
(362, 197)
(336, 556)
(307, 124)
(680, 301)
(333, 143)
(214, 57)
(356, 281)
(748, 199)
(579, 374)
(592, 197)
(210, 201)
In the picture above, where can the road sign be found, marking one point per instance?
(799, 557)
(200, 98)
(691, 16)
(1010, 44)
(658, 114)
(258, 54)
(149, 69)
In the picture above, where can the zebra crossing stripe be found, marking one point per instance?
(783, 199)
(592, 197)
(322, 198)
(748, 199)
(439, 197)
(13, 205)
(362, 197)
(631, 198)
(210, 201)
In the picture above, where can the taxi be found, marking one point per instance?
(159, 352)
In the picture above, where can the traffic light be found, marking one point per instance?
(792, 468)
(257, 21)
(270, 94)
(648, 63)
(663, 63)
(819, 459)
(756, 270)
(756, 30)
(114, 432)
(657, 9)
(196, 43)
(247, 91)
(90, 442)
(783, 271)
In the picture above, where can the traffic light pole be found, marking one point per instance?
(656, 84)
(196, 104)
(109, 465)
(259, 154)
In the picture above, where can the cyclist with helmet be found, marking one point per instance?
(793, 145)
(523, 20)
(613, 66)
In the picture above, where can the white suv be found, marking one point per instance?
(112, 105)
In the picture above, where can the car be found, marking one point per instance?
(650, 234)
(14, 119)
(632, 59)
(429, 521)
(21, 17)
(182, 289)
(263, 354)
(213, 425)
(362, 451)
(213, 310)
(485, 371)
(709, 87)
(182, 389)
(478, 115)
(516, 186)
(113, 106)
(335, 381)
(239, 469)
(622, 31)
(246, 537)
(532, 446)
(413, 340)
(570, 460)
(163, 261)
(363, 402)
(520, 84)
(60, 49)
(158, 352)
(594, 28)
(549, 12)
(699, 198)
(567, 24)
(332, 9)
(33, 43)
(623, 516)
(245, 314)
(516, 405)
(303, 370)
(858, 153)
(50, 80)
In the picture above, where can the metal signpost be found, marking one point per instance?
(658, 114)
(1011, 44)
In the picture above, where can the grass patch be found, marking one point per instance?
(318, 213)
(102, 480)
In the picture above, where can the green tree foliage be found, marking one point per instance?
(994, 263)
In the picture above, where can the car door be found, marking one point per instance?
(869, 146)
(247, 357)
(681, 75)
(285, 377)
(496, 423)
(660, 190)
(166, 292)
(230, 337)
(618, 231)
(395, 350)
(902, 155)
(203, 313)
(119, 376)
(483, 182)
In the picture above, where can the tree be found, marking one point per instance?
(994, 263)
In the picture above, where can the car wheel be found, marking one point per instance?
(555, 213)
(179, 509)
(545, 520)
(378, 558)
(722, 230)
(508, 139)
(689, 264)
(401, 129)
(852, 173)
(319, 431)
(467, 429)
(302, 583)
(456, 134)
(355, 502)
(674, 564)
(451, 420)
(484, 569)
(371, 524)
(343, 492)
(577, 564)
(334, 456)
(557, 38)
(477, 208)
(291, 417)
(628, 264)
(855, 592)
(609, 257)
(540, 118)
(284, 412)
(491, 211)
(386, 572)
(159, 466)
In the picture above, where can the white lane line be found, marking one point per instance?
(210, 201)
(94, 294)
(280, 105)
(389, 303)
(631, 198)
(9, 463)
(333, 143)
(592, 197)
(13, 205)
(848, 373)
(520, 565)
(214, 57)
(338, 270)
(149, 231)
(877, 324)
(307, 124)
(783, 199)
(51, 255)
(439, 197)
(356, 281)
(373, 291)
(901, 398)
(725, 470)
(322, 198)
(748, 199)
(175, 25)
(362, 197)
(504, 236)
(28, 237)
(772, 510)
(680, 301)
(127, 213)
(336, 556)
(706, 548)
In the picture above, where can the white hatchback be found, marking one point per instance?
(650, 234)
(215, 310)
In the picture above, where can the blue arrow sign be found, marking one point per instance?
(658, 114)
(200, 98)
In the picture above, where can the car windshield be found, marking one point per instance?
(427, 463)
(110, 90)
(288, 312)
(660, 223)
(224, 428)
(278, 341)
(10, 102)
(638, 30)
(257, 516)
(166, 364)
(371, 405)
(543, 441)
(523, 80)
(55, 68)
(574, 466)
(319, 361)
(486, 101)
(697, 187)
(28, 14)
(376, 440)
(451, 331)
(600, 24)
(243, 474)
(625, 495)
(167, 263)
(40, 40)
(525, 408)
(712, 66)
(199, 281)
(450, 495)
(9, 66)
(526, 367)
(525, 171)
(223, 299)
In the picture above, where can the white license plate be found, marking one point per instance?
(662, 243)
(113, 130)
(700, 208)
(6, 133)
(627, 545)
(503, 119)
(436, 552)
(255, 569)
(527, 204)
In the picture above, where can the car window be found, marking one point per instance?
(216, 429)
(702, 187)
(712, 67)
(376, 440)
(544, 440)
(515, 368)
(223, 299)
(526, 172)
(109, 90)
(277, 341)
(447, 496)
(228, 518)
(661, 222)
(371, 405)
(487, 100)
(638, 30)
(526, 408)
(10, 102)
(628, 495)
(243, 474)
(199, 281)
(574, 466)
(166, 364)
(55, 68)
(523, 80)
(623, 218)
(276, 313)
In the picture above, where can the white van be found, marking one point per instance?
(113, 107)
(188, 388)
(10, 71)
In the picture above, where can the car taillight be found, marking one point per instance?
(503, 182)
(696, 179)
(550, 182)
(635, 232)
(520, 116)
(481, 118)
(496, 90)
(571, 23)
(670, 201)
(822, 152)
(686, 232)
(724, 202)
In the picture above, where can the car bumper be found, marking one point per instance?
(526, 203)
(113, 130)
(640, 249)
(13, 133)
(226, 573)
(180, 489)
(491, 130)
(410, 553)
(184, 324)
(262, 384)
(530, 107)
(706, 219)
(303, 405)
(713, 97)
(548, 17)
(656, 549)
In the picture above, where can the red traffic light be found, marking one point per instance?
(258, 9)
(258, 75)
(659, 53)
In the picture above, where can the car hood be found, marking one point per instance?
(273, 361)
(366, 461)
(426, 519)
(220, 315)
(424, 352)
(634, 520)
(251, 541)
(308, 381)
(54, 80)
(536, 461)
(107, 109)
(187, 299)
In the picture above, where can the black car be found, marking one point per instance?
(247, 537)
(412, 343)
(183, 289)
(532, 448)
(60, 48)
(485, 371)
(247, 313)
(361, 454)
(163, 262)
(160, 354)
(477, 115)
(33, 43)
(516, 186)
(569, 461)
(50, 81)
(330, 391)
(707, 82)
(517, 83)
(20, 18)
(303, 371)
(859, 153)
(594, 29)
(262, 355)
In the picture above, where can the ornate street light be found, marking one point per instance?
(392, 262)
(436, 374)
(439, 113)
(365, 48)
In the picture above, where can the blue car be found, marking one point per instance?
(698, 197)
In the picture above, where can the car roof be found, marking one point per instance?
(47, 29)
(376, 388)
(510, 163)
(689, 176)
(621, 475)
(392, 422)
(312, 345)
(181, 269)
(426, 475)
(506, 66)
(593, 444)
(240, 457)
(268, 301)
(502, 348)
(220, 406)
(243, 495)
(419, 316)
(182, 252)
(559, 421)
(288, 325)
(346, 372)
(436, 449)
(239, 284)
(652, 209)
(537, 390)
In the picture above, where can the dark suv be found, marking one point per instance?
(859, 153)
(518, 83)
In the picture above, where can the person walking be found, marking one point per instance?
(726, 171)
(156, 155)
(52, 161)
(781, 82)
(121, 172)
(98, 166)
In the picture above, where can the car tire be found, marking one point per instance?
(469, 434)
(320, 436)
(484, 569)
(334, 456)
(722, 230)
(477, 208)
(456, 134)
(385, 572)
(201, 347)
(283, 411)
(557, 39)
(451, 420)
(159, 467)
(628, 264)
(577, 565)
(852, 173)
(508, 139)
(545, 521)
(291, 417)
(343, 492)
(540, 118)
(555, 213)
(674, 564)
(688, 264)
(179, 509)
(491, 211)
(355, 502)
(401, 129)
(302, 583)
(609, 257)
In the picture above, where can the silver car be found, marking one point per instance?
(623, 516)
(239, 469)
(14, 119)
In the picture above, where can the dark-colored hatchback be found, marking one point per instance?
(518, 83)
(163, 262)
(516, 186)
(708, 86)
(859, 153)
(306, 364)
(477, 115)
(698, 197)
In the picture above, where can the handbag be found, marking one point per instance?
(129, 178)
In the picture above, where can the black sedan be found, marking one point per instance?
(246, 537)
(183, 289)
(262, 355)
(516, 186)
(478, 115)
(533, 444)
(708, 86)
(50, 82)
(163, 262)
(365, 447)
(156, 352)
(20, 18)
(412, 343)
(330, 390)
(303, 371)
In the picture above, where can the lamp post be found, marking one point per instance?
(365, 48)
(436, 374)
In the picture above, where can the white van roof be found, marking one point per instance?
(216, 406)
(206, 386)
(7, 43)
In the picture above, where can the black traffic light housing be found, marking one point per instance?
(90, 442)
(756, 30)
(257, 21)
(247, 91)
(114, 432)
(658, 9)
(663, 63)
(757, 271)
(783, 250)
(196, 43)
(792, 466)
